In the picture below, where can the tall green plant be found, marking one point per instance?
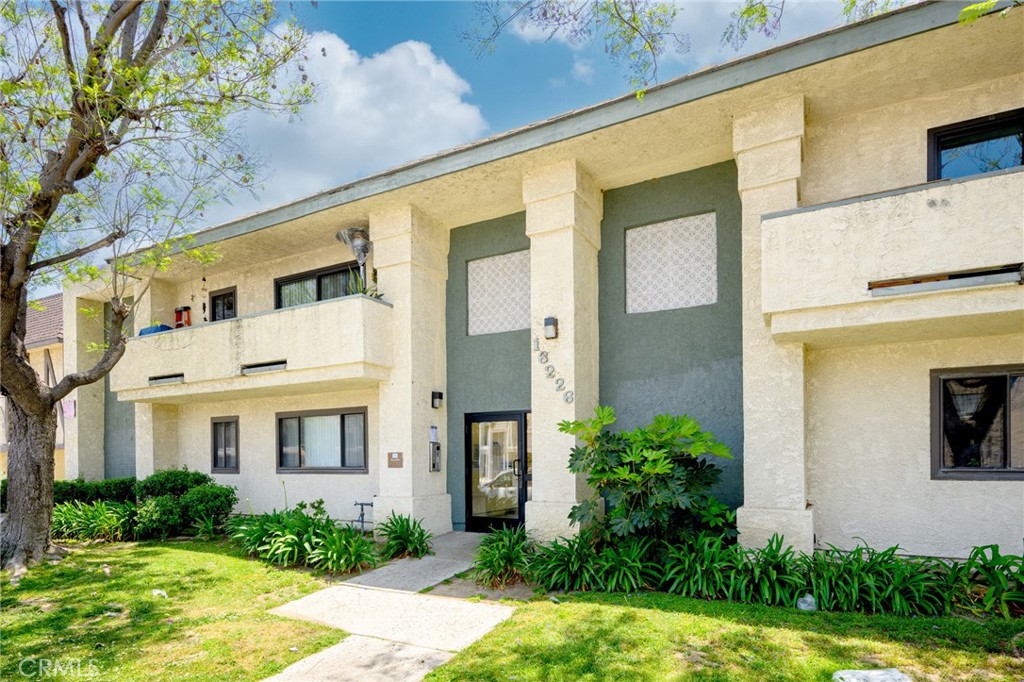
(654, 478)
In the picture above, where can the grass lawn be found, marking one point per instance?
(98, 605)
(658, 637)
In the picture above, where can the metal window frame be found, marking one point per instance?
(942, 134)
(214, 469)
(340, 412)
(347, 266)
(223, 292)
(943, 473)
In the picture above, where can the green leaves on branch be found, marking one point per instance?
(654, 478)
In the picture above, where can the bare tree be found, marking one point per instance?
(117, 128)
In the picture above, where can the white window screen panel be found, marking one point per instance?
(499, 293)
(321, 441)
(355, 448)
(672, 265)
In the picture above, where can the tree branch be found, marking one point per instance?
(77, 253)
(156, 31)
(59, 12)
(113, 353)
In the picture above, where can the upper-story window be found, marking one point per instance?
(978, 423)
(222, 304)
(980, 145)
(319, 285)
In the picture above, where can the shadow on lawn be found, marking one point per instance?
(953, 632)
(77, 610)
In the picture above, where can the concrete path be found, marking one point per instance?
(396, 635)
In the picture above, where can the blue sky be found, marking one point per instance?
(398, 83)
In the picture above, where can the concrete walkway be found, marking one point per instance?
(396, 635)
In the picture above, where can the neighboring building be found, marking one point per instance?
(815, 251)
(44, 341)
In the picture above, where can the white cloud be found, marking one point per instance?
(583, 70)
(372, 113)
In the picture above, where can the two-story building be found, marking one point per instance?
(816, 251)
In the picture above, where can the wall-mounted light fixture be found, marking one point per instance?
(435, 399)
(550, 327)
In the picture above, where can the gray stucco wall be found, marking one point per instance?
(676, 361)
(486, 373)
(118, 425)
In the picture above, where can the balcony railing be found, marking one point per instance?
(330, 345)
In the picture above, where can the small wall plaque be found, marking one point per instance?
(395, 460)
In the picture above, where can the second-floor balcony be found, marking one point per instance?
(938, 260)
(327, 346)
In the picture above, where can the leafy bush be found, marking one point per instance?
(567, 564)
(343, 549)
(404, 536)
(113, 521)
(159, 517)
(170, 482)
(628, 566)
(701, 567)
(654, 477)
(503, 557)
(210, 502)
(78, 490)
(298, 536)
(990, 582)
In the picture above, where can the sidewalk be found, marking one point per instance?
(396, 635)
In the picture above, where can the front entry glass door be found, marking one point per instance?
(499, 469)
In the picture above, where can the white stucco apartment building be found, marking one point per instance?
(816, 251)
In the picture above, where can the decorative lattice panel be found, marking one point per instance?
(499, 293)
(672, 265)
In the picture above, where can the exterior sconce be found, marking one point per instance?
(550, 327)
(435, 399)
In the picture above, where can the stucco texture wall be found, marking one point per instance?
(259, 487)
(869, 452)
(887, 147)
(676, 361)
(486, 373)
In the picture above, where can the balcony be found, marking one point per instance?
(818, 263)
(327, 346)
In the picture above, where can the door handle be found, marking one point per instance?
(515, 468)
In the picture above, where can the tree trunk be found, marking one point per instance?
(25, 533)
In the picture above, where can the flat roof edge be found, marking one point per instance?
(844, 40)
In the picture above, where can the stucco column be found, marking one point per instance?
(767, 143)
(156, 439)
(83, 424)
(563, 221)
(411, 256)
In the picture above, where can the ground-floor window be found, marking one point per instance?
(322, 440)
(225, 444)
(978, 423)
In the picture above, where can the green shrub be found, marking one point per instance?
(627, 566)
(404, 536)
(78, 490)
(990, 582)
(503, 557)
(170, 482)
(654, 478)
(112, 521)
(159, 517)
(343, 549)
(567, 564)
(209, 501)
(701, 567)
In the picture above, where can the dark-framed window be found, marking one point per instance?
(322, 441)
(224, 445)
(316, 285)
(223, 304)
(981, 145)
(978, 423)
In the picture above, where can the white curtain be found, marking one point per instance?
(321, 439)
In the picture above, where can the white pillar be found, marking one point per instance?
(767, 143)
(83, 424)
(156, 439)
(411, 256)
(563, 221)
